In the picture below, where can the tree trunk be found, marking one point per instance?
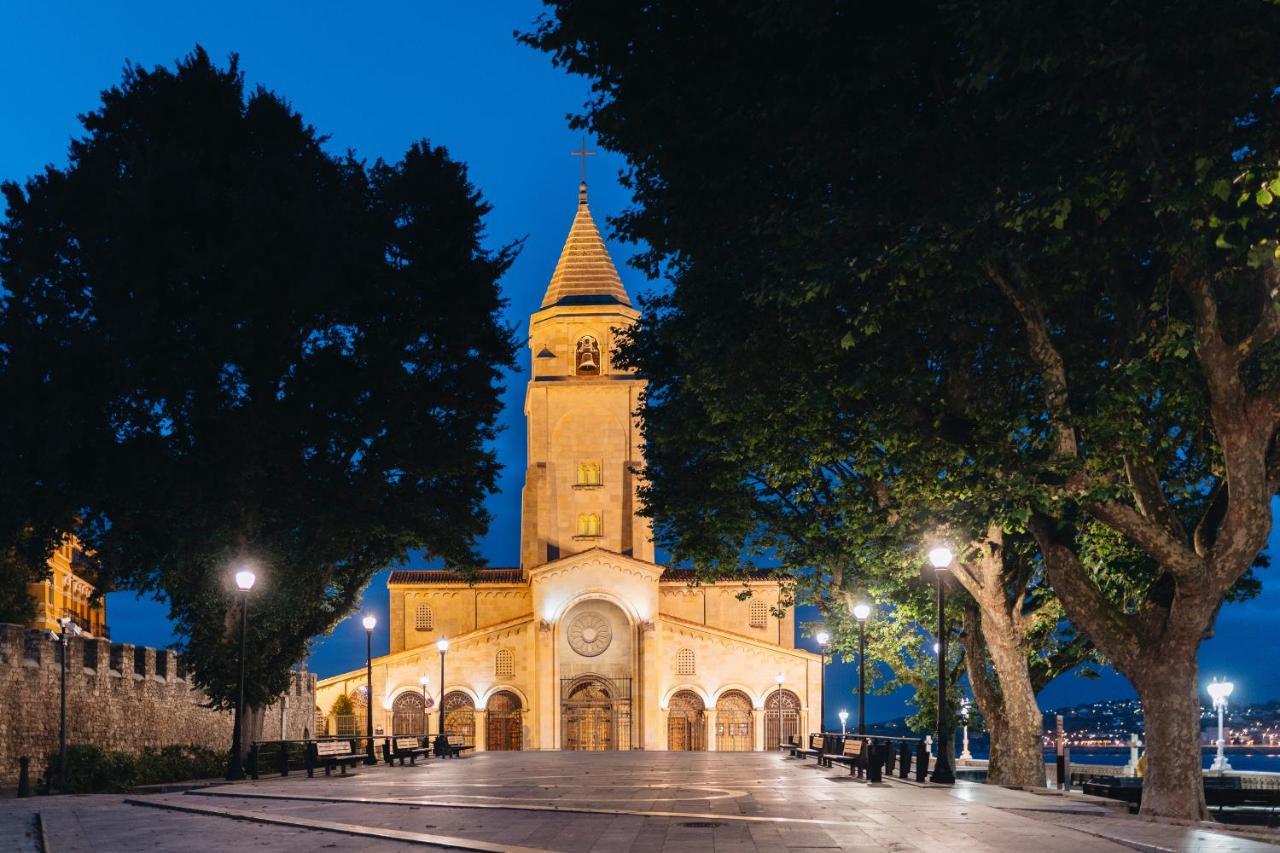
(1021, 757)
(1169, 690)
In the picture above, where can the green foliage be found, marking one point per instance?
(342, 706)
(245, 349)
(92, 770)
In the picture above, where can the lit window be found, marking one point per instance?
(588, 473)
(422, 619)
(589, 524)
(759, 614)
(504, 664)
(684, 662)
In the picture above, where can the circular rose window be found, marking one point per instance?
(589, 634)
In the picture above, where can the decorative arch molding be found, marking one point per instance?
(458, 688)
(757, 701)
(597, 594)
(698, 690)
(504, 688)
(595, 563)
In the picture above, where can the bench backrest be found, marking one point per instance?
(326, 748)
(853, 746)
(406, 743)
(815, 741)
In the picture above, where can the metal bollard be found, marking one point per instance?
(24, 776)
(904, 756)
(253, 760)
(284, 758)
(922, 761)
(311, 759)
(874, 763)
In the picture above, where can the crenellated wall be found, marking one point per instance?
(119, 697)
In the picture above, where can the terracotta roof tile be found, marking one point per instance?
(439, 576)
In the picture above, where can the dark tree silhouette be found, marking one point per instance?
(222, 344)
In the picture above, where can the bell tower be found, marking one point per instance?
(583, 439)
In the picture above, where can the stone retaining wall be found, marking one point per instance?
(119, 697)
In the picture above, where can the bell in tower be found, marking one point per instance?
(588, 361)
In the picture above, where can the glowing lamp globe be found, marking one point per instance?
(861, 612)
(442, 644)
(940, 557)
(369, 622)
(424, 681)
(1220, 690)
(245, 580)
(823, 638)
(781, 678)
(844, 716)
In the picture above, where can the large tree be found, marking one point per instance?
(226, 345)
(1067, 209)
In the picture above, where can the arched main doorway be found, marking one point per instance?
(733, 723)
(504, 728)
(409, 714)
(589, 721)
(686, 722)
(777, 728)
(460, 717)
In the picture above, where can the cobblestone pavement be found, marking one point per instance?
(645, 801)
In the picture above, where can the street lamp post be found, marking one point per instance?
(861, 612)
(370, 622)
(244, 582)
(1220, 690)
(777, 701)
(424, 681)
(964, 715)
(443, 645)
(823, 638)
(943, 774)
(844, 718)
(69, 629)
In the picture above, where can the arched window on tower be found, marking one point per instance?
(422, 618)
(587, 356)
(589, 524)
(588, 473)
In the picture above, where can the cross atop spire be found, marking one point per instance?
(584, 154)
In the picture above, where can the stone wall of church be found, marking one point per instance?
(119, 697)
(451, 611)
(719, 606)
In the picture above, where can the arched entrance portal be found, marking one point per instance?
(778, 727)
(589, 718)
(686, 723)
(733, 723)
(409, 714)
(503, 730)
(460, 718)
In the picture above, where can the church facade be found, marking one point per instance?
(588, 644)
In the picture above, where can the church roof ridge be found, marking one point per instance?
(585, 274)
(441, 576)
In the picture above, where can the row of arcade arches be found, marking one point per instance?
(735, 723)
(504, 724)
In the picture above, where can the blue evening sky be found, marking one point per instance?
(375, 77)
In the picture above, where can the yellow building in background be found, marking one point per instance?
(588, 644)
(65, 592)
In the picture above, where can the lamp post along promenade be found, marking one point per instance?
(777, 701)
(861, 612)
(942, 772)
(823, 638)
(245, 580)
(369, 622)
(1219, 691)
(69, 630)
(443, 645)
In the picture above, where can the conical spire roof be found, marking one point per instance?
(585, 274)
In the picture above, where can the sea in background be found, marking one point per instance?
(1257, 758)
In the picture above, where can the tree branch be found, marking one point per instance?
(1170, 551)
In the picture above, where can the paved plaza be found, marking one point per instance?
(600, 802)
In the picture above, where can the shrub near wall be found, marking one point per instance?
(91, 770)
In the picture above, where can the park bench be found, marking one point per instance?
(853, 753)
(404, 747)
(791, 745)
(814, 749)
(450, 746)
(330, 754)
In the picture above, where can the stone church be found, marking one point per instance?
(588, 644)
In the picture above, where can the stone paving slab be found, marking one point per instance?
(641, 801)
